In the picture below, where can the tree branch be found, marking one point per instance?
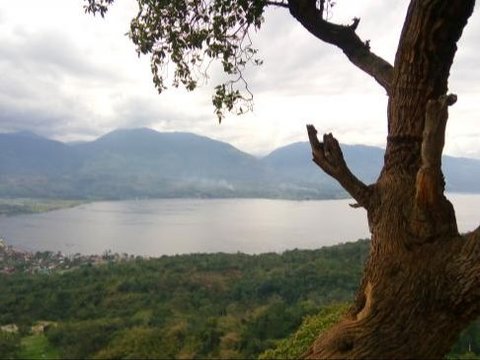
(277, 3)
(429, 183)
(433, 215)
(329, 157)
(344, 37)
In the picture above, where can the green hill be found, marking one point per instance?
(188, 306)
(194, 306)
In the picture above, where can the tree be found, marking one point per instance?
(421, 283)
(9, 345)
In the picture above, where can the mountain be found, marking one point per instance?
(145, 163)
(126, 164)
(176, 155)
(24, 153)
(32, 166)
(294, 163)
(461, 174)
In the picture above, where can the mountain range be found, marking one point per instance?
(143, 163)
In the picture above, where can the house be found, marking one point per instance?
(10, 328)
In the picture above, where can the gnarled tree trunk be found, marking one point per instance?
(421, 284)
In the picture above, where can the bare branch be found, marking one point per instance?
(344, 37)
(277, 3)
(329, 157)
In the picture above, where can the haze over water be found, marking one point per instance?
(182, 226)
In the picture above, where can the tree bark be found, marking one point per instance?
(421, 283)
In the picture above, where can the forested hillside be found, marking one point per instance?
(143, 163)
(190, 306)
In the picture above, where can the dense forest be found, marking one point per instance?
(186, 306)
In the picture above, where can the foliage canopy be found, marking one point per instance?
(191, 34)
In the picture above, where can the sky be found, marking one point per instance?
(70, 76)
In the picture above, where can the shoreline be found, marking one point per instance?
(29, 206)
(25, 206)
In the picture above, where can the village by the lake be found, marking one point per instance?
(15, 260)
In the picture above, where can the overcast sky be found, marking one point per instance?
(71, 76)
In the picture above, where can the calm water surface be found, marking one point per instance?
(182, 226)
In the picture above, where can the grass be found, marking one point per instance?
(37, 347)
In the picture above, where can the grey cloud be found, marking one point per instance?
(465, 74)
(52, 122)
(152, 112)
(35, 105)
(139, 112)
(36, 69)
(48, 54)
(292, 58)
(35, 66)
(12, 119)
(296, 62)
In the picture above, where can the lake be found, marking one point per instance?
(182, 226)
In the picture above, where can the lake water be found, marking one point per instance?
(182, 226)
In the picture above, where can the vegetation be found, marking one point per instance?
(194, 306)
(188, 306)
(36, 347)
(297, 344)
(9, 345)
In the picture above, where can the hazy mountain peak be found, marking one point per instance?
(128, 132)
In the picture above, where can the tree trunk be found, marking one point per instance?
(421, 284)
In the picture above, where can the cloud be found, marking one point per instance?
(46, 81)
(47, 53)
(70, 76)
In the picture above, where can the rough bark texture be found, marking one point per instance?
(421, 284)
